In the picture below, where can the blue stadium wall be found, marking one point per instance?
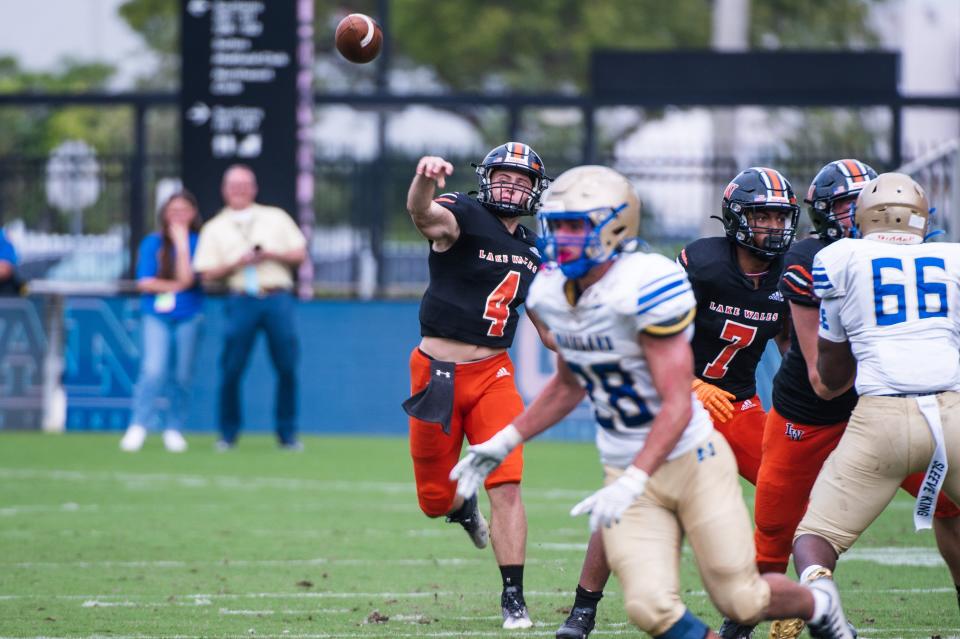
(352, 373)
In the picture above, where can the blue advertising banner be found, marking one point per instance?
(353, 367)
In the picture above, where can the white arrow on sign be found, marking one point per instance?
(198, 114)
(198, 7)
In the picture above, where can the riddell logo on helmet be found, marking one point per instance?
(894, 237)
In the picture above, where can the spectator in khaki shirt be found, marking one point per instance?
(253, 248)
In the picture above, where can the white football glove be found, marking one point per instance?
(481, 459)
(608, 504)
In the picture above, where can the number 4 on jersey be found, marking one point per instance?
(497, 308)
(740, 336)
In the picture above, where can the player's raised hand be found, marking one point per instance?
(607, 505)
(435, 168)
(481, 459)
(715, 400)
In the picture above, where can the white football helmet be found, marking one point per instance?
(892, 208)
(608, 204)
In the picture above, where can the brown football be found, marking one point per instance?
(359, 38)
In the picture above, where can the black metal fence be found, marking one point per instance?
(364, 243)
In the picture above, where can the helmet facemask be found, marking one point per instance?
(517, 157)
(835, 183)
(774, 241)
(593, 250)
(609, 209)
(491, 192)
(753, 190)
(828, 223)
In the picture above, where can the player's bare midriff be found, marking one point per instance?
(451, 350)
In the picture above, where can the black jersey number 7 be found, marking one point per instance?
(740, 336)
(497, 307)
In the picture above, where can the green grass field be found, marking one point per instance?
(263, 543)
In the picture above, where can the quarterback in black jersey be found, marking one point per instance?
(807, 419)
(481, 263)
(739, 308)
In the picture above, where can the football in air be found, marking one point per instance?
(359, 38)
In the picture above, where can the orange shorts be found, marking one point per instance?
(485, 399)
(744, 433)
(793, 455)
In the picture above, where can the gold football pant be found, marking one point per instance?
(698, 494)
(886, 439)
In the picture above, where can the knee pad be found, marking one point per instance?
(742, 600)
(687, 627)
(654, 610)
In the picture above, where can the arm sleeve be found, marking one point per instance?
(830, 326)
(147, 257)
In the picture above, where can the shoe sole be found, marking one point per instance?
(482, 538)
(517, 624)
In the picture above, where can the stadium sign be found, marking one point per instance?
(239, 97)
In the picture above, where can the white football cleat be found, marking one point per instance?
(133, 439)
(515, 615)
(173, 441)
(832, 624)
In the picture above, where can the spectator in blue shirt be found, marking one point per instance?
(9, 281)
(170, 307)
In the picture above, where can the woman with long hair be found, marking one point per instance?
(170, 307)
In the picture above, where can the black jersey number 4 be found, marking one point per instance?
(497, 307)
(740, 336)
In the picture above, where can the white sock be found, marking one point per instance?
(809, 570)
(821, 601)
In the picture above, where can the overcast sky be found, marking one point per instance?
(41, 33)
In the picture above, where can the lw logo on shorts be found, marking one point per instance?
(793, 433)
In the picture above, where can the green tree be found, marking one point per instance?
(36, 130)
(158, 23)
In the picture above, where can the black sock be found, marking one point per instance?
(958, 593)
(512, 576)
(587, 598)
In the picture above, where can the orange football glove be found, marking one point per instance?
(715, 400)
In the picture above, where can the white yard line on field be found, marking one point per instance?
(244, 482)
(923, 556)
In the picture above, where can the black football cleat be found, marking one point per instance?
(579, 624)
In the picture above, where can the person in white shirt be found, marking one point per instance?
(889, 315)
(621, 320)
(254, 249)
